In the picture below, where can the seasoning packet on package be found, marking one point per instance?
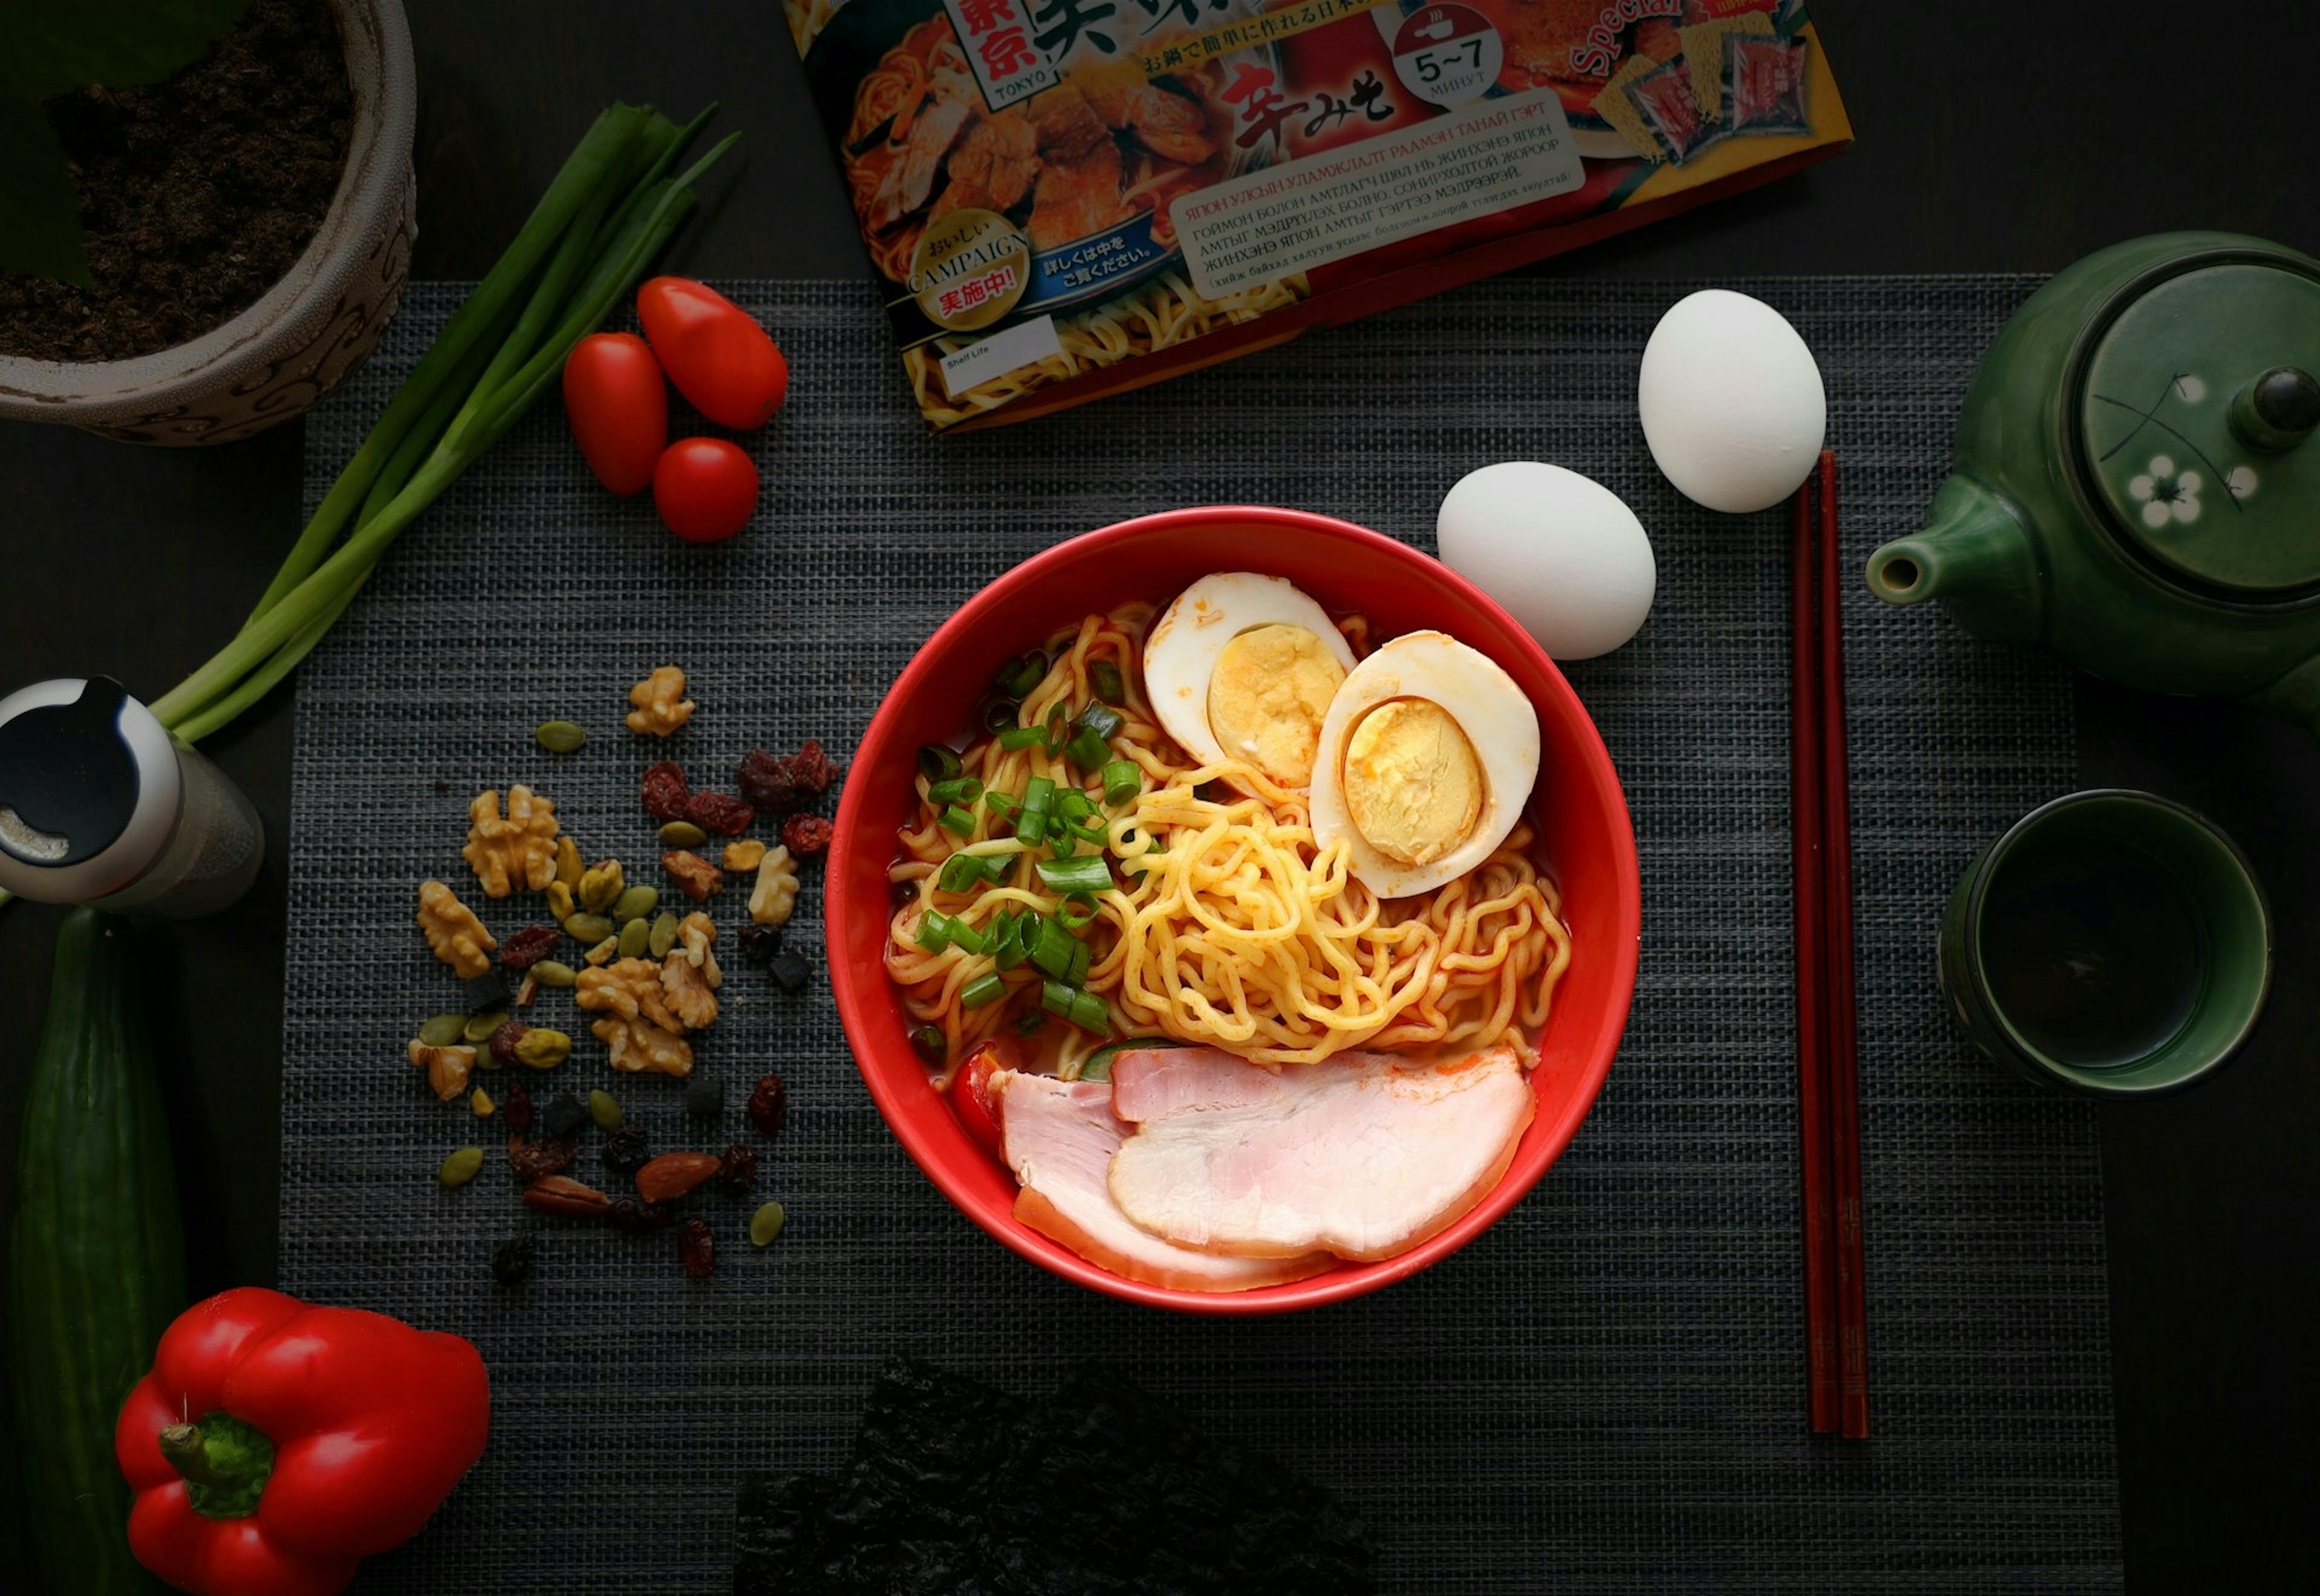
(1663, 98)
(1765, 78)
(1063, 199)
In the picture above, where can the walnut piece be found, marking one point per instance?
(629, 988)
(638, 1046)
(447, 1068)
(775, 893)
(695, 874)
(661, 704)
(453, 932)
(517, 851)
(747, 854)
(688, 976)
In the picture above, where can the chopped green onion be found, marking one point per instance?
(1002, 804)
(1088, 752)
(1054, 997)
(1086, 873)
(1059, 728)
(1031, 822)
(1051, 947)
(938, 763)
(960, 820)
(1122, 781)
(928, 1040)
(1073, 804)
(1104, 677)
(934, 931)
(1078, 975)
(1030, 1021)
(1105, 723)
(1082, 1009)
(1019, 675)
(963, 935)
(961, 872)
(996, 714)
(1078, 910)
(981, 990)
(962, 789)
(1014, 946)
(1020, 736)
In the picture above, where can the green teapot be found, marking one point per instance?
(2137, 484)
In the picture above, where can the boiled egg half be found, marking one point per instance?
(1243, 668)
(1428, 753)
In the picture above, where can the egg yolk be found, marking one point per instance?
(1267, 697)
(1413, 786)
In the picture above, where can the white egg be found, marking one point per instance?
(1560, 553)
(1262, 703)
(1415, 804)
(1732, 402)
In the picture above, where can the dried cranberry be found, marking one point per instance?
(769, 1106)
(790, 972)
(635, 1218)
(737, 1171)
(779, 786)
(805, 834)
(528, 946)
(760, 943)
(512, 1260)
(504, 1038)
(536, 1160)
(515, 1107)
(697, 1245)
(721, 814)
(626, 1150)
(666, 791)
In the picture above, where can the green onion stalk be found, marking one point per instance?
(588, 243)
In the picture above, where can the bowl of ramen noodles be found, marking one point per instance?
(1233, 911)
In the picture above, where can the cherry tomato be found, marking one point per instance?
(704, 489)
(718, 357)
(971, 1097)
(617, 405)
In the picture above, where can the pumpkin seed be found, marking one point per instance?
(664, 935)
(480, 1100)
(443, 1031)
(681, 834)
(480, 1028)
(541, 1048)
(635, 937)
(634, 904)
(604, 1110)
(549, 972)
(568, 864)
(460, 1167)
(601, 954)
(560, 737)
(589, 928)
(765, 1224)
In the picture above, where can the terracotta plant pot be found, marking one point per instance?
(304, 333)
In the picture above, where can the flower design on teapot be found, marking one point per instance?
(2166, 493)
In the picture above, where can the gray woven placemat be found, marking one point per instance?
(1604, 1393)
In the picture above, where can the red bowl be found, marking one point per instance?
(1581, 814)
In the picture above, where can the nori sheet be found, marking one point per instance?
(1101, 1490)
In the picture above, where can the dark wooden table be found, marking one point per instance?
(1992, 137)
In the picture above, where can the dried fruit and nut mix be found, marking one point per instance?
(648, 975)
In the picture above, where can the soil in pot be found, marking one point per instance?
(197, 193)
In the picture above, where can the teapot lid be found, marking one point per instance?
(2199, 415)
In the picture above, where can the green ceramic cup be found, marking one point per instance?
(2112, 943)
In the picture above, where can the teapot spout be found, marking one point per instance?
(1976, 555)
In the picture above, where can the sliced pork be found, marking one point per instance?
(1364, 1153)
(1059, 1137)
(910, 179)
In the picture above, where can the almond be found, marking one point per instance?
(673, 1175)
(558, 1194)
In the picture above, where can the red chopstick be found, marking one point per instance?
(1812, 1009)
(1843, 1058)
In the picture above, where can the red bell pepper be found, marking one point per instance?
(274, 1445)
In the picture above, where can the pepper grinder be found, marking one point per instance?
(100, 804)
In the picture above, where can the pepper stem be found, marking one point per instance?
(225, 1464)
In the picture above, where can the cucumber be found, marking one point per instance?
(97, 1266)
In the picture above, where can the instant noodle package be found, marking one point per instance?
(1064, 198)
